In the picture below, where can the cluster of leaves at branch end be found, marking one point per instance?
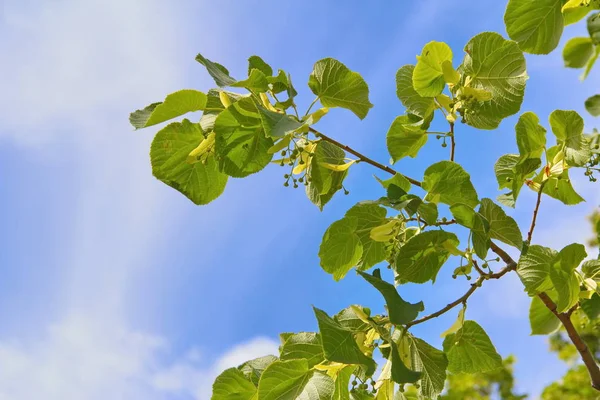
(239, 134)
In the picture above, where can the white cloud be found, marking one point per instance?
(74, 62)
(80, 358)
(76, 69)
(184, 378)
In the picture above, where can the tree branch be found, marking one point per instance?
(565, 319)
(478, 283)
(478, 268)
(452, 141)
(362, 157)
(584, 351)
(535, 212)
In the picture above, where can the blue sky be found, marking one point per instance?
(115, 286)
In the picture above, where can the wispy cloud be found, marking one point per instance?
(82, 358)
(74, 68)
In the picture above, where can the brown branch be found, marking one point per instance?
(535, 213)
(478, 268)
(362, 157)
(452, 141)
(584, 351)
(478, 283)
(565, 319)
(450, 306)
(503, 256)
(438, 223)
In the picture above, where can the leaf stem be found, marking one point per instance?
(535, 212)
(438, 133)
(311, 105)
(362, 157)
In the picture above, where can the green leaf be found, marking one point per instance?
(342, 382)
(531, 136)
(255, 62)
(592, 105)
(337, 86)
(304, 345)
(256, 82)
(282, 82)
(400, 312)
(534, 269)
(562, 275)
(591, 307)
(397, 180)
(561, 189)
(324, 182)
(447, 182)
(241, 141)
(502, 227)
(429, 212)
(175, 105)
(591, 269)
(512, 171)
(339, 344)
(400, 373)
(571, 256)
(593, 26)
(341, 248)
(253, 369)
(218, 72)
(574, 12)
(497, 66)
(386, 390)
(201, 182)
(214, 107)
(277, 124)
(421, 258)
(428, 76)
(313, 118)
(542, 320)
(360, 394)
(591, 63)
(405, 138)
(471, 351)
(291, 380)
(233, 385)
(567, 126)
(451, 76)
(558, 187)
(406, 396)
(432, 363)
(368, 216)
(577, 52)
(414, 103)
(460, 320)
(349, 320)
(477, 223)
(536, 25)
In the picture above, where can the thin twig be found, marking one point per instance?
(362, 157)
(478, 283)
(438, 223)
(452, 141)
(478, 268)
(535, 213)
